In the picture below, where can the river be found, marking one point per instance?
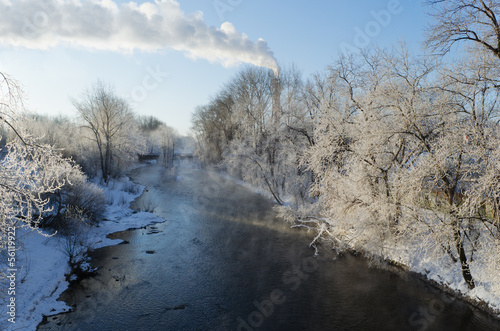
(223, 261)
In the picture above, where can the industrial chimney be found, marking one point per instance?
(276, 94)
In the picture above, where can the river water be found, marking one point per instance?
(223, 261)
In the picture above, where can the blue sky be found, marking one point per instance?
(169, 83)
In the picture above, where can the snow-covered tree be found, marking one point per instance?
(359, 144)
(29, 169)
(148, 126)
(402, 149)
(471, 21)
(215, 125)
(113, 128)
(166, 138)
(269, 132)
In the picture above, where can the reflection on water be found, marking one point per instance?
(222, 261)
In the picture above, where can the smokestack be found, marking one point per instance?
(276, 92)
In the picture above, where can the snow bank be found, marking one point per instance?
(41, 265)
(40, 280)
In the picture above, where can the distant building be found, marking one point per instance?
(148, 157)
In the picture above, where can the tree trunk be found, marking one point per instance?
(459, 244)
(165, 155)
(107, 162)
(463, 259)
(103, 163)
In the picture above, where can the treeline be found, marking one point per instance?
(386, 152)
(104, 136)
(49, 165)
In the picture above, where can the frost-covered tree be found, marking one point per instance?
(361, 141)
(257, 128)
(113, 128)
(471, 21)
(58, 131)
(272, 131)
(148, 126)
(215, 125)
(473, 87)
(166, 138)
(29, 169)
(402, 148)
(472, 151)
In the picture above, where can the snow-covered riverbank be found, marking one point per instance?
(42, 266)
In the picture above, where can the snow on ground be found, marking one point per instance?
(41, 265)
(40, 280)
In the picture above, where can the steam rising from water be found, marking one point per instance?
(106, 25)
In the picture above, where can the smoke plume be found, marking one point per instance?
(106, 25)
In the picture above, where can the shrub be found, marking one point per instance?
(147, 204)
(73, 236)
(88, 199)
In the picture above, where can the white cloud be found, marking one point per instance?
(106, 25)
